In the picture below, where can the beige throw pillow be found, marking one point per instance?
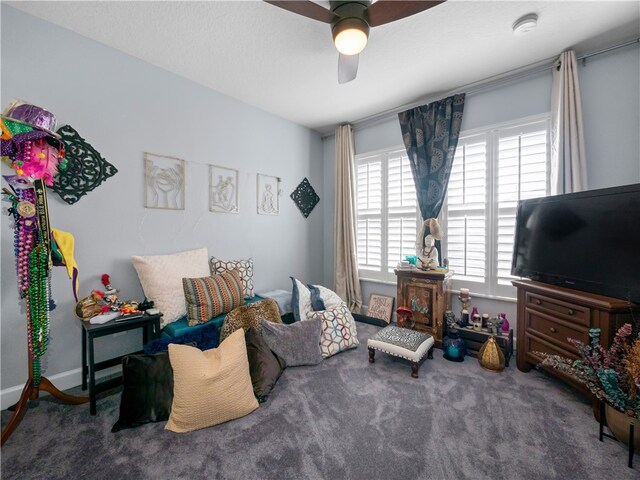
(210, 387)
(161, 279)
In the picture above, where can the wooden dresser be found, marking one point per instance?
(428, 294)
(548, 314)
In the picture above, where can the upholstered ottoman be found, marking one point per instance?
(403, 343)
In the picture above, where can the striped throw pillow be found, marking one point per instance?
(209, 297)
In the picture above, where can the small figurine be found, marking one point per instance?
(426, 251)
(505, 324)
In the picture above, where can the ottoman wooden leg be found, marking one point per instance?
(372, 355)
(414, 369)
(430, 354)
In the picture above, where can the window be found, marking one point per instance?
(492, 170)
(387, 215)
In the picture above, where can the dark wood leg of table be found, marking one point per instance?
(145, 334)
(92, 378)
(372, 355)
(84, 359)
(414, 369)
(157, 327)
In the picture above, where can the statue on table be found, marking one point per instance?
(426, 251)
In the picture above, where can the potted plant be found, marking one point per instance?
(612, 375)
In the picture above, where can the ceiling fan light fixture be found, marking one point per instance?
(350, 35)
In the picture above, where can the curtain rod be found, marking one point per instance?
(485, 84)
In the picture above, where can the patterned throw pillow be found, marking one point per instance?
(244, 268)
(210, 387)
(338, 330)
(249, 316)
(161, 279)
(209, 297)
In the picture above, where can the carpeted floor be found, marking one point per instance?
(343, 419)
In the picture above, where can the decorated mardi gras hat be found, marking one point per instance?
(23, 122)
(27, 115)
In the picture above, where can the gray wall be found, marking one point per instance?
(124, 107)
(610, 85)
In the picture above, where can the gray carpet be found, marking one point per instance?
(342, 419)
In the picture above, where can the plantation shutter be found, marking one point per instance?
(522, 174)
(401, 208)
(466, 210)
(369, 213)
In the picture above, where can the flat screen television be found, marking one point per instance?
(588, 241)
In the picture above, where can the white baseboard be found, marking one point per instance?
(62, 381)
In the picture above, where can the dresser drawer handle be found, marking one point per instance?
(572, 311)
(537, 302)
(553, 330)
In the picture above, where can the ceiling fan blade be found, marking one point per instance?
(306, 8)
(386, 11)
(347, 67)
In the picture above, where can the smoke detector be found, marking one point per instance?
(525, 24)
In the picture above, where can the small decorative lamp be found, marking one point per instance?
(490, 356)
(453, 346)
(404, 315)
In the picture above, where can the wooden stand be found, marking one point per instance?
(428, 294)
(32, 392)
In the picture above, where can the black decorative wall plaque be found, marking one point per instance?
(305, 197)
(86, 168)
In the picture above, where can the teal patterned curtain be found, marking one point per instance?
(430, 133)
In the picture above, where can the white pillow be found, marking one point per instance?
(300, 300)
(161, 279)
(329, 297)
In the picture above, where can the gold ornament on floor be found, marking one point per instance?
(490, 356)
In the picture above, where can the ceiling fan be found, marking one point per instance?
(350, 23)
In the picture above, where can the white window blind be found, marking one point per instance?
(493, 169)
(387, 212)
(522, 173)
(369, 211)
(466, 209)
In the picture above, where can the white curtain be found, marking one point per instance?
(568, 161)
(345, 262)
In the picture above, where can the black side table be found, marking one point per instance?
(151, 328)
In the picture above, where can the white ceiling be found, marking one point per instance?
(286, 64)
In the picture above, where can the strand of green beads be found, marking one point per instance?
(37, 372)
(32, 296)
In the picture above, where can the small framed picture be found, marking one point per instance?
(268, 195)
(223, 193)
(380, 306)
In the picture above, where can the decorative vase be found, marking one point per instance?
(618, 423)
(453, 346)
(490, 356)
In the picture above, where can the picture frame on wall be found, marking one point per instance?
(268, 190)
(223, 189)
(164, 181)
(380, 306)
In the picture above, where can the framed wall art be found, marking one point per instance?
(380, 306)
(268, 195)
(223, 189)
(164, 182)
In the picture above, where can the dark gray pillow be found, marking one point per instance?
(297, 344)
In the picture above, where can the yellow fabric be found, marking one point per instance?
(210, 387)
(65, 242)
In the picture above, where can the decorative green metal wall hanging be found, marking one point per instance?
(305, 197)
(86, 168)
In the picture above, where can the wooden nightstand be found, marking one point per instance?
(428, 294)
